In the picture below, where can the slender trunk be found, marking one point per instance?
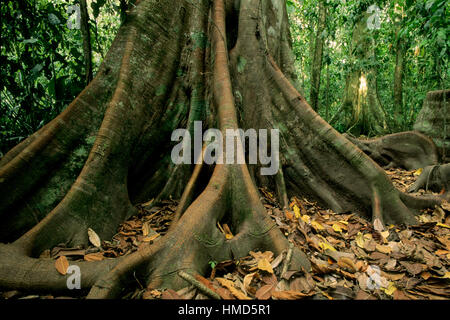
(316, 67)
(327, 95)
(398, 80)
(87, 48)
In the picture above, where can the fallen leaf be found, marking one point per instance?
(170, 294)
(360, 241)
(289, 215)
(228, 234)
(316, 225)
(288, 295)
(265, 292)
(336, 227)
(418, 172)
(94, 256)
(393, 276)
(94, 238)
(230, 286)
(61, 265)
(324, 246)
(146, 229)
(383, 249)
(413, 268)
(347, 264)
(445, 205)
(441, 252)
(264, 265)
(378, 225)
(442, 225)
(247, 281)
(390, 289)
(297, 212)
(276, 262)
(151, 237)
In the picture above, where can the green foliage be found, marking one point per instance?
(42, 61)
(424, 26)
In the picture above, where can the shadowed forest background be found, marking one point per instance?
(44, 64)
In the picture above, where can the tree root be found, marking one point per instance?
(434, 178)
(409, 150)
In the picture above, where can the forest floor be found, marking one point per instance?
(351, 257)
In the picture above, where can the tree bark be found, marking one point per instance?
(364, 113)
(316, 67)
(87, 47)
(226, 63)
(398, 80)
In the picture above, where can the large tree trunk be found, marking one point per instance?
(226, 63)
(433, 120)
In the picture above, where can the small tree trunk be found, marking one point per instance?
(316, 67)
(398, 80)
(87, 48)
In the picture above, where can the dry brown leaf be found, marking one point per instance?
(288, 295)
(170, 294)
(94, 238)
(230, 286)
(61, 265)
(378, 225)
(265, 292)
(146, 229)
(393, 276)
(94, 256)
(264, 265)
(413, 268)
(151, 237)
(347, 264)
(383, 249)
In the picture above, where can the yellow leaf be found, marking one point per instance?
(61, 265)
(383, 249)
(297, 212)
(151, 238)
(418, 172)
(385, 234)
(336, 227)
(316, 225)
(442, 225)
(265, 265)
(360, 240)
(344, 222)
(305, 218)
(325, 246)
(146, 228)
(228, 233)
(390, 289)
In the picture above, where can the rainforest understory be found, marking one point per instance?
(228, 64)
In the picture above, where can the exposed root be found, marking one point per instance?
(409, 150)
(21, 272)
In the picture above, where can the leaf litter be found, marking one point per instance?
(351, 258)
